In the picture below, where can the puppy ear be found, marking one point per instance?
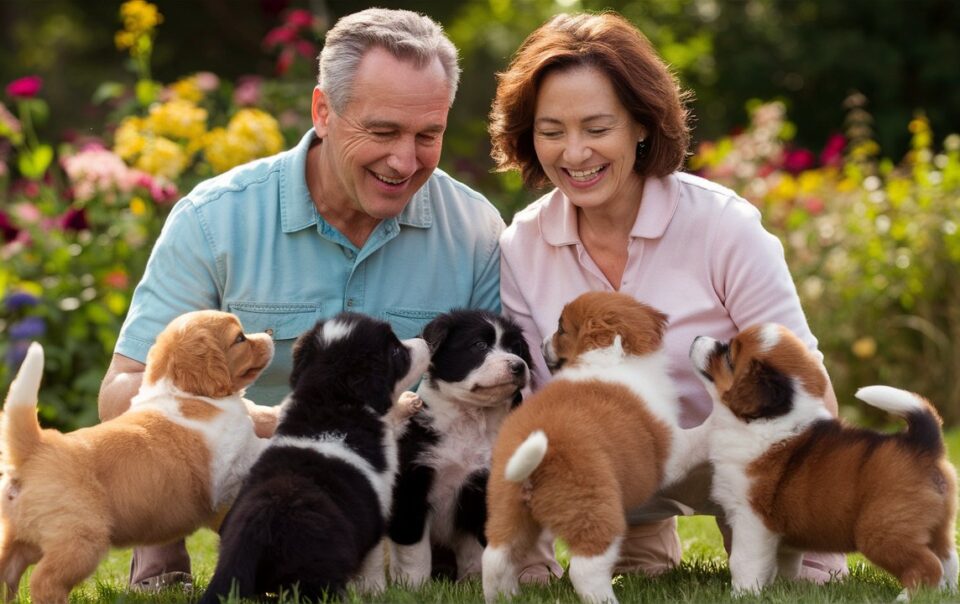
(761, 392)
(596, 332)
(304, 350)
(436, 332)
(194, 360)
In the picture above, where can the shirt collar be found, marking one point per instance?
(661, 196)
(297, 210)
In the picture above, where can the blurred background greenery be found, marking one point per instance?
(835, 118)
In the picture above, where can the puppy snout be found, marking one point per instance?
(517, 367)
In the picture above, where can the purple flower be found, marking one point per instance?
(16, 353)
(30, 328)
(18, 300)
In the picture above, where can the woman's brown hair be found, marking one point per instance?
(608, 42)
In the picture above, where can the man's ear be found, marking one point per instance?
(320, 111)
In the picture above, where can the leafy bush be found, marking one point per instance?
(77, 224)
(873, 246)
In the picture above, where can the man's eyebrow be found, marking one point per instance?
(388, 125)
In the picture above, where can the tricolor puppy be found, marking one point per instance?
(316, 504)
(599, 439)
(154, 474)
(479, 363)
(791, 478)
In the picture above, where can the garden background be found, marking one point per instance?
(837, 119)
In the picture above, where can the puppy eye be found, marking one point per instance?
(240, 338)
(480, 346)
(560, 331)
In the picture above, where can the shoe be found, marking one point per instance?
(181, 580)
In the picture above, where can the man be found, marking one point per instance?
(355, 217)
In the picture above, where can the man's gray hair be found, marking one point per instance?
(407, 35)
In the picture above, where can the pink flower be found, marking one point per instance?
(279, 36)
(117, 279)
(832, 154)
(25, 88)
(306, 49)
(300, 18)
(207, 81)
(247, 92)
(798, 160)
(814, 205)
(284, 61)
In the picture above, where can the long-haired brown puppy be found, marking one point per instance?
(153, 474)
(791, 478)
(602, 437)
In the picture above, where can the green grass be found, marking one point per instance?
(702, 578)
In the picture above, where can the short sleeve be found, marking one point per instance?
(181, 276)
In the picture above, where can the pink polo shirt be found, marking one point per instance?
(697, 252)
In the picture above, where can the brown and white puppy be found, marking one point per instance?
(153, 474)
(792, 478)
(600, 438)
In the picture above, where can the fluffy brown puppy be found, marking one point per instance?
(602, 437)
(791, 478)
(153, 474)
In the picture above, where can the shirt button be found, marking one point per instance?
(350, 303)
(349, 254)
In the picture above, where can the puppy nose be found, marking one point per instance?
(517, 367)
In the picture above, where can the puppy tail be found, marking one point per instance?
(21, 430)
(923, 421)
(527, 457)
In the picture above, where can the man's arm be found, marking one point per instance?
(119, 385)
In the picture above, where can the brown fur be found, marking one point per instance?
(839, 488)
(606, 450)
(139, 478)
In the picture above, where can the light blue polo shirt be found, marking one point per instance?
(250, 242)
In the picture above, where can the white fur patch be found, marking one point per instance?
(499, 573)
(334, 330)
(951, 567)
(333, 445)
(230, 437)
(527, 457)
(892, 400)
(592, 575)
(769, 336)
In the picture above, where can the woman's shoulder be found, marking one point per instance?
(712, 200)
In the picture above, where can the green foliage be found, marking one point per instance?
(873, 247)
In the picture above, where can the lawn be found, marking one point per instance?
(702, 578)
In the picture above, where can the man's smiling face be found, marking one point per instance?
(384, 145)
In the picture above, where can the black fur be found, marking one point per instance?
(460, 342)
(774, 388)
(304, 518)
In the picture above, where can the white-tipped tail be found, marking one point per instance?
(25, 388)
(892, 400)
(527, 457)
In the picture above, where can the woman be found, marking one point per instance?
(588, 106)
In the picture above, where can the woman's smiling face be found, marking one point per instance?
(585, 139)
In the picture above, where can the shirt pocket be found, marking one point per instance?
(409, 322)
(282, 321)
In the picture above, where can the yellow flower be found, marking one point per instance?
(140, 17)
(178, 119)
(128, 140)
(786, 188)
(251, 133)
(137, 206)
(187, 89)
(162, 157)
(864, 348)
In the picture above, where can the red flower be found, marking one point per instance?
(300, 18)
(814, 205)
(8, 231)
(74, 219)
(25, 88)
(279, 36)
(832, 154)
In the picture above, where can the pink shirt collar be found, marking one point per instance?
(558, 220)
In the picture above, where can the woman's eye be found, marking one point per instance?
(598, 131)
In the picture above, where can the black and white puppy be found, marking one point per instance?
(316, 504)
(479, 363)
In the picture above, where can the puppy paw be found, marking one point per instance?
(409, 404)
